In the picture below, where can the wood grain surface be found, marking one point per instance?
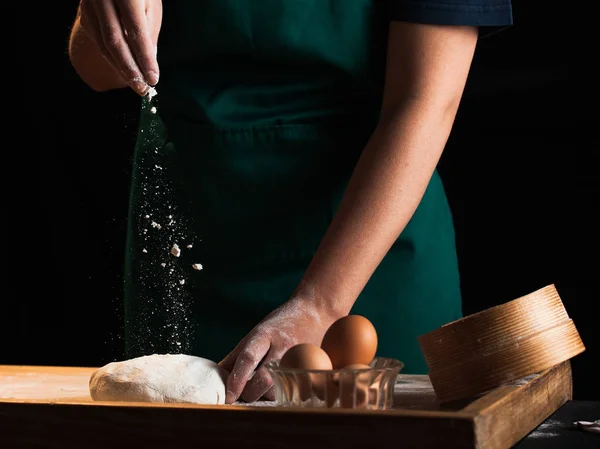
(501, 344)
(51, 407)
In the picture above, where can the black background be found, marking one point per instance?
(514, 167)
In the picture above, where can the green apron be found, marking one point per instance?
(263, 110)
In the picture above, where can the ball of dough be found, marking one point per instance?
(160, 378)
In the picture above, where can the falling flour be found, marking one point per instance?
(151, 93)
(164, 323)
(175, 250)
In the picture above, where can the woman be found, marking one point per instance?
(292, 155)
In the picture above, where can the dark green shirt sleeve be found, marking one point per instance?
(489, 15)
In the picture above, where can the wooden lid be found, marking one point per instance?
(501, 344)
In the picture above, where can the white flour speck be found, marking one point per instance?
(151, 93)
(175, 250)
(197, 266)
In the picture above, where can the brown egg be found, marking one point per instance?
(307, 356)
(350, 340)
(354, 389)
(354, 397)
(357, 366)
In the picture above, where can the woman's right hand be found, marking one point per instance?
(126, 33)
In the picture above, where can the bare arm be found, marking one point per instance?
(426, 72)
(89, 64)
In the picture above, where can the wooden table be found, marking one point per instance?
(51, 407)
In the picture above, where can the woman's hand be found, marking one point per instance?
(296, 321)
(126, 34)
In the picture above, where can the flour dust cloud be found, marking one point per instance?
(163, 233)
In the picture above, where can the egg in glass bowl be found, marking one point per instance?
(342, 372)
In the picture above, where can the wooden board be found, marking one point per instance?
(51, 407)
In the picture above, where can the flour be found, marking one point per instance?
(548, 429)
(163, 321)
(259, 403)
(151, 93)
(523, 381)
(175, 250)
(176, 378)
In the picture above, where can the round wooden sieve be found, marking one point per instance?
(498, 345)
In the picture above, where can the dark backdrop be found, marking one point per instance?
(520, 200)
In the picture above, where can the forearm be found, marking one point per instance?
(383, 194)
(89, 64)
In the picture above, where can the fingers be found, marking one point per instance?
(248, 357)
(138, 36)
(261, 383)
(116, 48)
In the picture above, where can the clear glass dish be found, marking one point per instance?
(367, 389)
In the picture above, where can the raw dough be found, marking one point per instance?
(160, 378)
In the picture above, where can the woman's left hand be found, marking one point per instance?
(296, 321)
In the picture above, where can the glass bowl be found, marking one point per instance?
(368, 389)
